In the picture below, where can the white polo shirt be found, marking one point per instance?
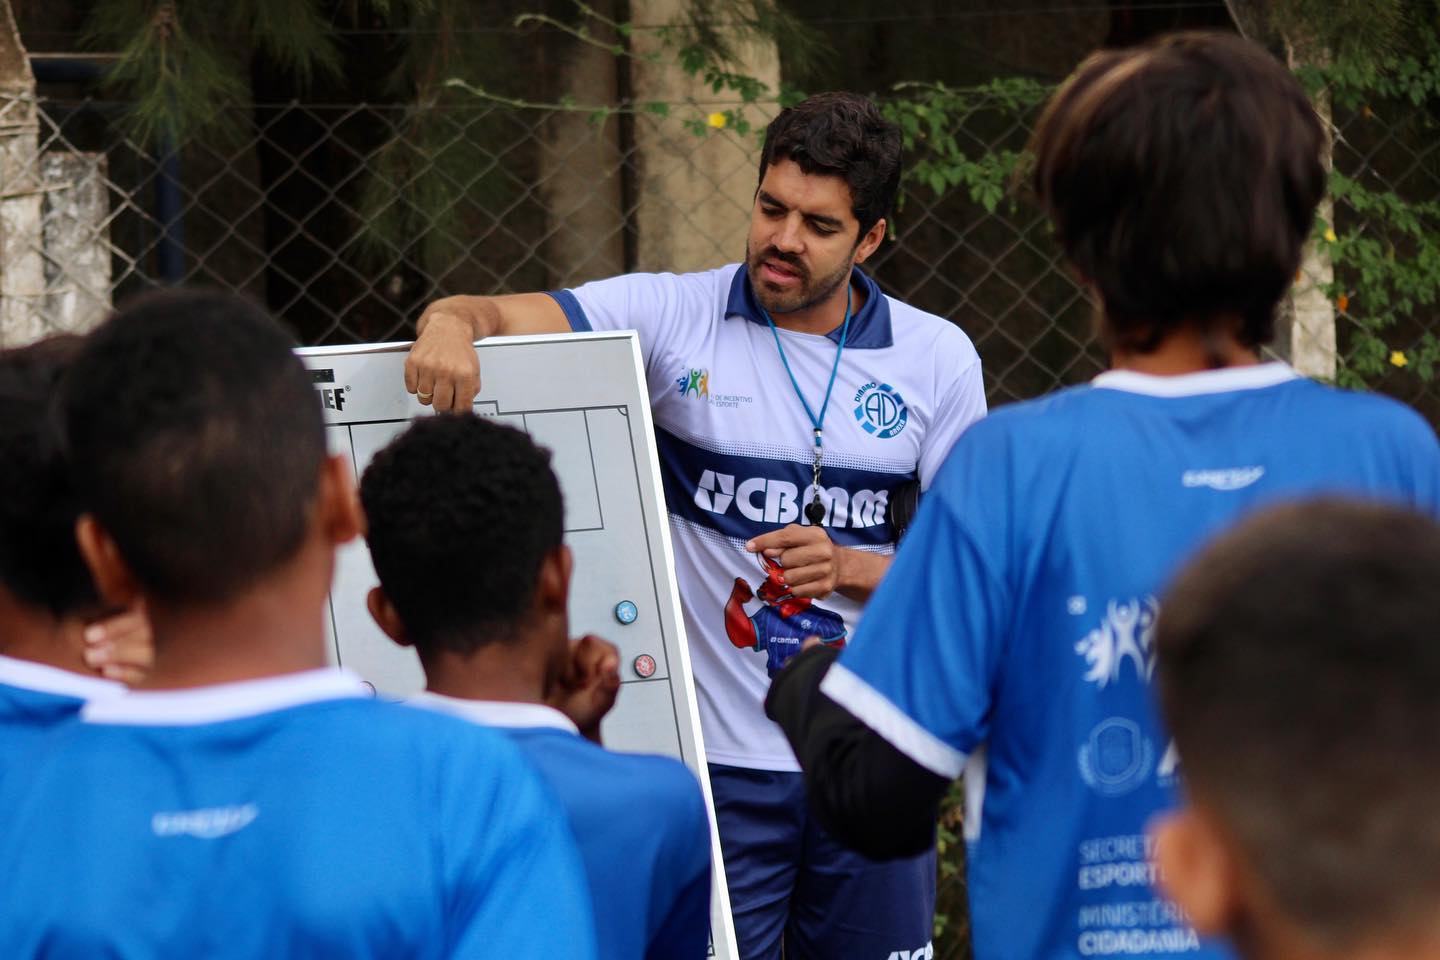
(736, 449)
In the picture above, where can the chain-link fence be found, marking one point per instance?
(345, 220)
(1391, 150)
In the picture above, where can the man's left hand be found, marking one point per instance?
(814, 565)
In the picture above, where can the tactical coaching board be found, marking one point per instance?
(582, 396)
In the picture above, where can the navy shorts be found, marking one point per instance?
(789, 881)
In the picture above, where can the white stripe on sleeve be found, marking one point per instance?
(871, 708)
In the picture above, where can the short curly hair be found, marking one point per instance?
(461, 512)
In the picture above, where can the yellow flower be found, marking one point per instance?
(1398, 358)
(1330, 234)
(716, 120)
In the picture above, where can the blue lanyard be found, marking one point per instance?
(815, 510)
(817, 422)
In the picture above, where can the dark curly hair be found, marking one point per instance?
(39, 561)
(461, 512)
(841, 135)
(1182, 177)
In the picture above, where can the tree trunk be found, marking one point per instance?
(583, 168)
(695, 193)
(1309, 310)
(1305, 327)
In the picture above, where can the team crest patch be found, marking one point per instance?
(1116, 758)
(880, 410)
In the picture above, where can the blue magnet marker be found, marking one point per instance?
(626, 612)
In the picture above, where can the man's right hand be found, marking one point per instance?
(442, 368)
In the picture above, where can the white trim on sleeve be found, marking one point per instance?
(871, 708)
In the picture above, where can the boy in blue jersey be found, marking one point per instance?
(246, 800)
(47, 600)
(465, 522)
(1298, 666)
(1014, 636)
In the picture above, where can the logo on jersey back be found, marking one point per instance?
(1116, 757)
(694, 383)
(205, 824)
(880, 410)
(1232, 478)
(1127, 633)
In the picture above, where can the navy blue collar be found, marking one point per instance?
(869, 329)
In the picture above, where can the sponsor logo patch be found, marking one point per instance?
(205, 824)
(1231, 478)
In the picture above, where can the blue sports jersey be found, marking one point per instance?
(285, 817)
(1013, 635)
(640, 823)
(34, 698)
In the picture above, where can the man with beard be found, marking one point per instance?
(794, 404)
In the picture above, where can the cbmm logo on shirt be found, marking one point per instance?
(771, 500)
(926, 952)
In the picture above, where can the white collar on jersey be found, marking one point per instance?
(496, 713)
(224, 701)
(46, 679)
(1223, 380)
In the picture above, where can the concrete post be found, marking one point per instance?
(581, 173)
(22, 273)
(76, 238)
(695, 193)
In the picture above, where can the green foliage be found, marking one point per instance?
(1354, 29)
(182, 70)
(1385, 246)
(931, 117)
(952, 927)
(1356, 79)
(1387, 271)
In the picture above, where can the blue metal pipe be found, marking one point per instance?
(169, 197)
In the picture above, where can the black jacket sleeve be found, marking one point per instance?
(863, 791)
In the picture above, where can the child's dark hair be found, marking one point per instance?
(196, 440)
(461, 512)
(39, 561)
(1182, 178)
(1299, 659)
